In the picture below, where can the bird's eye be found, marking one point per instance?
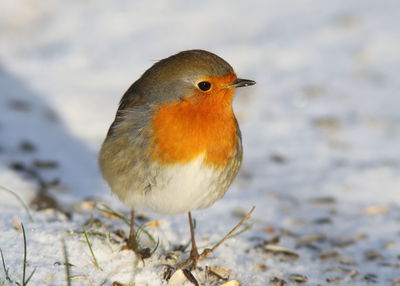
(204, 85)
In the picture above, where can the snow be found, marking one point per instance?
(320, 131)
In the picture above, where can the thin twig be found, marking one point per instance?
(4, 267)
(208, 251)
(90, 248)
(66, 263)
(24, 266)
(19, 200)
(30, 276)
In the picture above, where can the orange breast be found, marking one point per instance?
(202, 124)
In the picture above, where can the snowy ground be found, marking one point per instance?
(321, 133)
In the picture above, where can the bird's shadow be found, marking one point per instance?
(37, 145)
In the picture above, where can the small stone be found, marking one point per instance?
(27, 146)
(359, 236)
(322, 201)
(277, 281)
(322, 220)
(396, 281)
(178, 278)
(375, 210)
(313, 91)
(20, 105)
(172, 258)
(370, 277)
(239, 212)
(342, 241)
(270, 230)
(17, 225)
(391, 265)
(278, 158)
(335, 255)
(85, 206)
(281, 250)
(262, 267)
(17, 166)
(221, 272)
(231, 283)
(50, 115)
(116, 283)
(353, 273)
(335, 279)
(349, 272)
(93, 222)
(154, 223)
(372, 255)
(348, 21)
(298, 278)
(316, 237)
(42, 164)
(327, 123)
(389, 244)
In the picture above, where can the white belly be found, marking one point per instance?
(181, 188)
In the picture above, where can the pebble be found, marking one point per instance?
(27, 146)
(154, 223)
(278, 158)
(322, 201)
(335, 279)
(372, 255)
(172, 258)
(45, 164)
(389, 244)
(370, 277)
(298, 278)
(177, 279)
(221, 272)
(396, 281)
(322, 220)
(316, 237)
(335, 255)
(262, 267)
(314, 91)
(231, 283)
(347, 271)
(277, 281)
(281, 250)
(20, 105)
(327, 123)
(116, 283)
(375, 210)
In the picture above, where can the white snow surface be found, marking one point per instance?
(321, 135)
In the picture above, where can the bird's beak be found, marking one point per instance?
(241, 82)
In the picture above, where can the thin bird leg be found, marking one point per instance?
(132, 242)
(194, 254)
(208, 251)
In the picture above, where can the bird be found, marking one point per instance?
(175, 145)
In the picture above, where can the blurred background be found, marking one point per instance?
(326, 73)
(321, 129)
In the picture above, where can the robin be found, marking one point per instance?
(175, 144)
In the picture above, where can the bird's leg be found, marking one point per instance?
(194, 254)
(132, 241)
(195, 257)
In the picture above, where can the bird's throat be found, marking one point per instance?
(202, 125)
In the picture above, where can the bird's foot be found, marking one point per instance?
(195, 257)
(191, 261)
(141, 253)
